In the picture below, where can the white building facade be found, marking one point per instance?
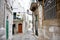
(6, 17)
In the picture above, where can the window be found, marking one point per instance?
(7, 17)
(14, 15)
(50, 9)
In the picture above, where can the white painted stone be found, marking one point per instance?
(51, 29)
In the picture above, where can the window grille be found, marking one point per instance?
(50, 9)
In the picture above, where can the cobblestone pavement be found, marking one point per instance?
(24, 37)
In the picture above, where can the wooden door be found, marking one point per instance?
(19, 28)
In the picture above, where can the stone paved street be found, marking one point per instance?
(24, 37)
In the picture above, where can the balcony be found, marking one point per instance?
(17, 18)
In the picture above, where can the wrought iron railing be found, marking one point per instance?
(50, 9)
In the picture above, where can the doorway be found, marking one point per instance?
(20, 28)
(13, 29)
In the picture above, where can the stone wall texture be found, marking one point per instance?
(51, 27)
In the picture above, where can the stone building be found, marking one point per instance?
(51, 20)
(6, 17)
(48, 12)
(36, 9)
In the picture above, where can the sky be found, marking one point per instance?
(23, 3)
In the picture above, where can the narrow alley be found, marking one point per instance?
(24, 37)
(29, 19)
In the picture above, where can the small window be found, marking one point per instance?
(7, 17)
(14, 15)
(50, 9)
